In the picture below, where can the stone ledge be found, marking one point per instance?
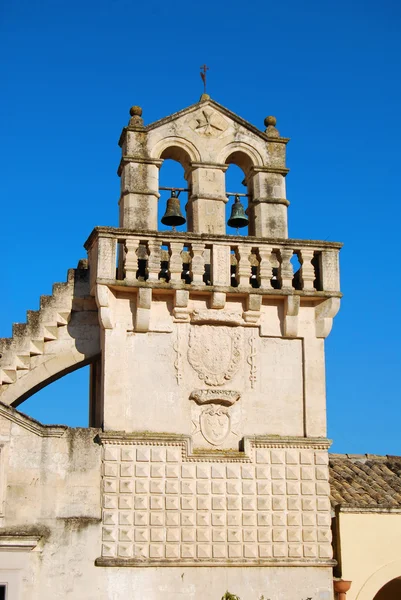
(18, 543)
(208, 289)
(273, 562)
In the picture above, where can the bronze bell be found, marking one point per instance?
(173, 215)
(238, 217)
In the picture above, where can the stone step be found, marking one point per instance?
(29, 339)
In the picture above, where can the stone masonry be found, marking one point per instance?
(207, 442)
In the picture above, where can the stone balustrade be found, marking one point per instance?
(181, 259)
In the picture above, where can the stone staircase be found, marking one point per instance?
(30, 339)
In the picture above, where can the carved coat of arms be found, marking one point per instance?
(215, 352)
(215, 424)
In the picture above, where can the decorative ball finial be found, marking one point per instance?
(270, 121)
(135, 111)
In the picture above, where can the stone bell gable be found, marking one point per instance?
(205, 139)
(207, 392)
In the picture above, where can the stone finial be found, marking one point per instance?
(136, 111)
(136, 115)
(270, 121)
(204, 98)
(270, 124)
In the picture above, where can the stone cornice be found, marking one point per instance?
(127, 158)
(190, 454)
(229, 290)
(270, 201)
(280, 170)
(199, 165)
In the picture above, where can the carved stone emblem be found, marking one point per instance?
(215, 424)
(208, 123)
(215, 352)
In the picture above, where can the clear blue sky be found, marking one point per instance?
(329, 72)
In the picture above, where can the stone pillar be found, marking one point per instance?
(268, 207)
(206, 204)
(139, 178)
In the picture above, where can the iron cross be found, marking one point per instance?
(204, 69)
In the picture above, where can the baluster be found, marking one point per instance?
(154, 259)
(197, 267)
(307, 269)
(243, 270)
(175, 264)
(130, 259)
(265, 268)
(286, 271)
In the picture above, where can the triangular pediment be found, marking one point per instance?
(201, 111)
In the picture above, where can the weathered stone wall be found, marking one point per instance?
(167, 379)
(50, 521)
(158, 503)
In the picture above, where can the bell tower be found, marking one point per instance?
(211, 388)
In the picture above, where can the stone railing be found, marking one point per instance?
(177, 259)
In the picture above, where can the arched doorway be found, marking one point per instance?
(390, 591)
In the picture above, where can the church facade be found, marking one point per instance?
(205, 469)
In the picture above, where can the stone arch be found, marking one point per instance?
(78, 347)
(379, 579)
(245, 157)
(44, 375)
(241, 154)
(178, 149)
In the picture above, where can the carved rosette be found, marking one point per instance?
(215, 352)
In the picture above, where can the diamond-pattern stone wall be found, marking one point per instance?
(161, 505)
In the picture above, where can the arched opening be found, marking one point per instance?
(235, 185)
(64, 401)
(172, 176)
(390, 591)
(240, 165)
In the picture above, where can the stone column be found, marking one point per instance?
(206, 204)
(139, 178)
(268, 206)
